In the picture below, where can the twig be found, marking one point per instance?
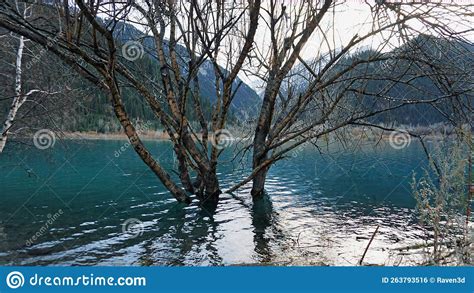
(368, 245)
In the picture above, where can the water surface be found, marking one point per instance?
(321, 209)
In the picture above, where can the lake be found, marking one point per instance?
(69, 205)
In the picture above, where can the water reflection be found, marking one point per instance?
(262, 220)
(318, 211)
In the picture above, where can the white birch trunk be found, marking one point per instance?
(18, 100)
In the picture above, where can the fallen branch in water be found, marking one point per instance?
(368, 245)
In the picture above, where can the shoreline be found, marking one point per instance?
(91, 135)
(161, 135)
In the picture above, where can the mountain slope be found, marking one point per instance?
(454, 59)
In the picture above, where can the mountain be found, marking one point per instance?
(89, 109)
(246, 100)
(454, 58)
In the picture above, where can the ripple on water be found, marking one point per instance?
(317, 211)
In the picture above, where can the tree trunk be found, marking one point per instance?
(138, 145)
(18, 100)
(259, 156)
(258, 183)
(183, 171)
(211, 187)
(260, 140)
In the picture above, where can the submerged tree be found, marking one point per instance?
(87, 38)
(302, 101)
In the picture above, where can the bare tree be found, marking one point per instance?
(335, 88)
(18, 100)
(86, 38)
(20, 96)
(23, 83)
(207, 32)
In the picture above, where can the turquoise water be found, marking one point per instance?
(320, 208)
